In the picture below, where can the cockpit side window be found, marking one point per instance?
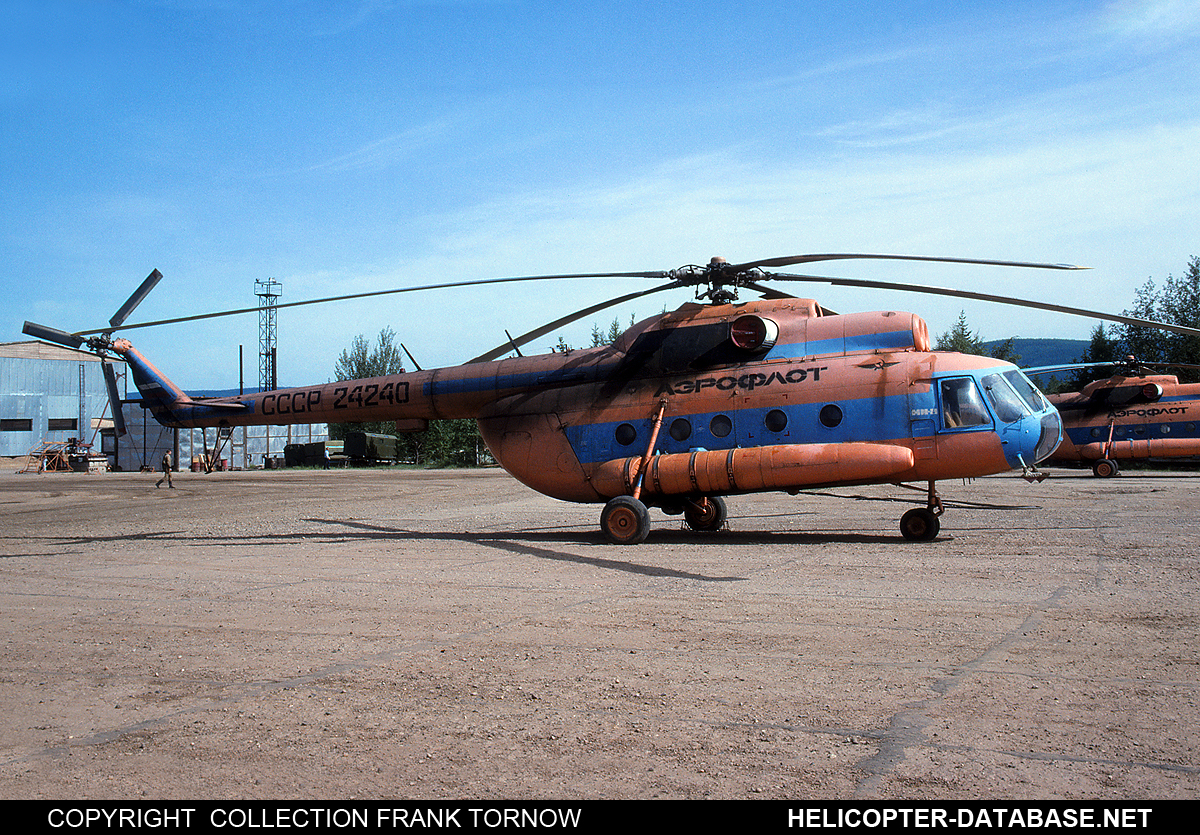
(1028, 391)
(962, 406)
(1008, 406)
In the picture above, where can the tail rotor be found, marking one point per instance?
(100, 344)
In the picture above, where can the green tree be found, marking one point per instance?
(1147, 344)
(1177, 303)
(963, 340)
(1007, 351)
(455, 443)
(1102, 348)
(360, 361)
(444, 443)
(960, 338)
(615, 330)
(600, 337)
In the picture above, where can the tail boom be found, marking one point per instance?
(456, 392)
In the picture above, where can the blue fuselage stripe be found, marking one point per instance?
(514, 382)
(1081, 435)
(889, 341)
(870, 419)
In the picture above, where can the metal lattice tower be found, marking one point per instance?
(267, 291)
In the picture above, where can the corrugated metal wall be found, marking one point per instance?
(41, 390)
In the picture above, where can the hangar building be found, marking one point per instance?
(48, 393)
(53, 393)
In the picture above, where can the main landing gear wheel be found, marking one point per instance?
(707, 514)
(625, 521)
(919, 525)
(1105, 468)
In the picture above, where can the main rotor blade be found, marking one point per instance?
(475, 283)
(791, 260)
(550, 327)
(54, 335)
(1071, 366)
(133, 301)
(986, 297)
(114, 399)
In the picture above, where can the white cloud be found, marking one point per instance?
(1153, 18)
(384, 153)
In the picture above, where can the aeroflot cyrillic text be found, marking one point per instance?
(1152, 412)
(746, 382)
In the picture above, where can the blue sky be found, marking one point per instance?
(357, 146)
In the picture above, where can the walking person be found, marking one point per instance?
(166, 468)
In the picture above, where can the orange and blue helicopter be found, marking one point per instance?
(1137, 413)
(715, 399)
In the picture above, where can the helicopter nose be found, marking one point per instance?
(1050, 437)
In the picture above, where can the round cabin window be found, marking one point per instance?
(720, 426)
(626, 434)
(831, 415)
(681, 429)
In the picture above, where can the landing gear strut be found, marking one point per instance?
(921, 524)
(625, 519)
(1106, 467)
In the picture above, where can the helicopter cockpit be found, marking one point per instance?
(1030, 429)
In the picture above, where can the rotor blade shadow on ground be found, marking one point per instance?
(514, 543)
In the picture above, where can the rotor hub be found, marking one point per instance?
(718, 281)
(100, 344)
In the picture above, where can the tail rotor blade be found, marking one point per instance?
(133, 301)
(54, 335)
(114, 398)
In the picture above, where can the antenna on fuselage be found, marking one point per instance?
(416, 364)
(513, 343)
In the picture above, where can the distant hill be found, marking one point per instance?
(1039, 352)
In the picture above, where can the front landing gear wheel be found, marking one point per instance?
(625, 521)
(919, 525)
(1105, 468)
(708, 514)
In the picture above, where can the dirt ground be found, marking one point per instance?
(438, 634)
